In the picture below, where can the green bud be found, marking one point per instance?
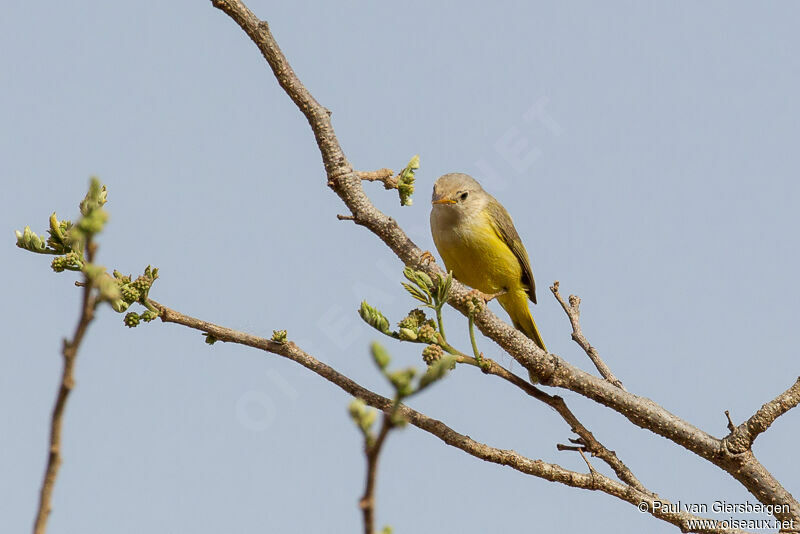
(443, 287)
(122, 278)
(58, 264)
(141, 284)
(474, 302)
(362, 416)
(95, 198)
(210, 339)
(406, 191)
(131, 319)
(432, 353)
(279, 336)
(408, 322)
(380, 355)
(437, 370)
(108, 288)
(55, 227)
(129, 293)
(73, 261)
(57, 240)
(374, 318)
(148, 316)
(94, 222)
(405, 182)
(406, 334)
(151, 273)
(427, 334)
(119, 305)
(401, 380)
(413, 320)
(28, 240)
(93, 271)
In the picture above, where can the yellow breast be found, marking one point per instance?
(475, 253)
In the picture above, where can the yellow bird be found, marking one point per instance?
(476, 238)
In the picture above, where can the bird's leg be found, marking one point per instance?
(488, 297)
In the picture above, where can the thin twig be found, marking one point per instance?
(440, 323)
(383, 175)
(472, 340)
(590, 443)
(372, 452)
(731, 426)
(574, 313)
(586, 439)
(69, 353)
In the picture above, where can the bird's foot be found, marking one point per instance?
(426, 257)
(488, 297)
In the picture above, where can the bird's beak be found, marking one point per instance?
(442, 200)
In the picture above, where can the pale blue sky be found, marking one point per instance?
(658, 181)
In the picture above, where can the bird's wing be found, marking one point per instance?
(504, 226)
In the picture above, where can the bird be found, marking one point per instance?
(476, 238)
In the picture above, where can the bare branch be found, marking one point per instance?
(573, 310)
(373, 451)
(731, 426)
(383, 175)
(553, 472)
(742, 437)
(69, 353)
(587, 439)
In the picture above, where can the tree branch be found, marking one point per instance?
(573, 311)
(372, 452)
(587, 440)
(742, 437)
(69, 353)
(383, 175)
(549, 368)
(552, 472)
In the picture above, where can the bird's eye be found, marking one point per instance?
(464, 195)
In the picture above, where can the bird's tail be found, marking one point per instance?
(517, 308)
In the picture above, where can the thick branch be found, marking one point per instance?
(555, 473)
(573, 311)
(742, 437)
(549, 368)
(69, 353)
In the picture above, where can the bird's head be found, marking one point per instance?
(458, 195)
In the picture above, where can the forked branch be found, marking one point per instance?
(742, 437)
(573, 311)
(548, 471)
